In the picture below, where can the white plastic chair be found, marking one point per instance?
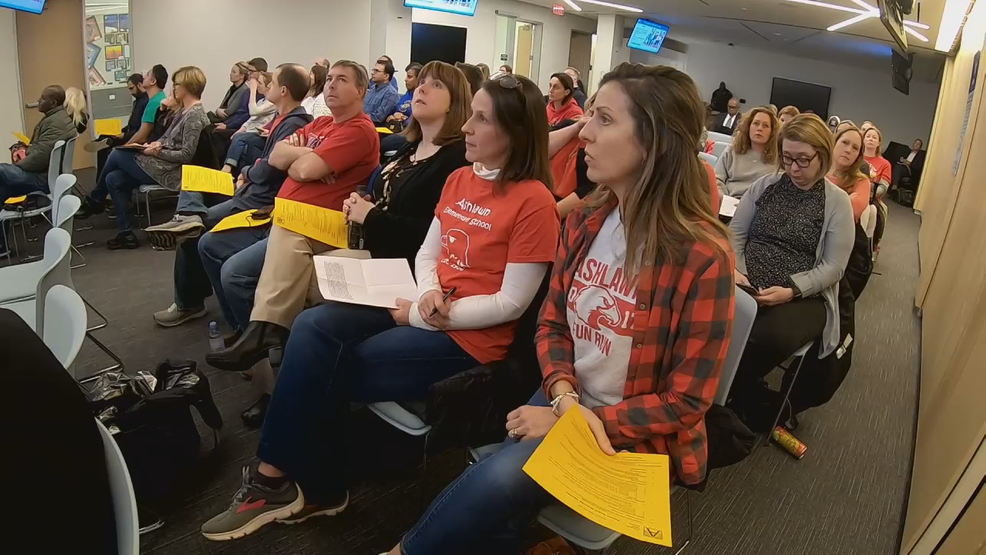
(718, 148)
(867, 220)
(720, 137)
(65, 325)
(21, 216)
(577, 529)
(708, 158)
(122, 494)
(19, 283)
(56, 272)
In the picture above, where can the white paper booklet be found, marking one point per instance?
(377, 282)
(728, 206)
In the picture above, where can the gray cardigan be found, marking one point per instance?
(178, 146)
(831, 256)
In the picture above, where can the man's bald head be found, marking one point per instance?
(52, 96)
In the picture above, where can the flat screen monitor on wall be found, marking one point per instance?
(461, 7)
(32, 6)
(648, 36)
(806, 96)
(437, 42)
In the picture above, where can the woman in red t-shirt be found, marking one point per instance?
(636, 325)
(494, 234)
(880, 168)
(561, 99)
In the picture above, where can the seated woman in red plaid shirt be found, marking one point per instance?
(636, 323)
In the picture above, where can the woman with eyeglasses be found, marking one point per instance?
(752, 155)
(792, 233)
(636, 324)
(484, 257)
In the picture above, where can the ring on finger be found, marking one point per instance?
(512, 433)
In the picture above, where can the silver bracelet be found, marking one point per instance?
(557, 401)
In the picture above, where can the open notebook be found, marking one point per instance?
(378, 282)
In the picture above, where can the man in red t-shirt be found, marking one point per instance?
(326, 160)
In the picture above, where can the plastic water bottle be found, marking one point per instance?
(215, 338)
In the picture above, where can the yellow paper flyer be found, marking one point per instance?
(21, 137)
(628, 493)
(206, 180)
(109, 127)
(384, 130)
(240, 221)
(314, 222)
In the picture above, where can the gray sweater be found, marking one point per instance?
(831, 257)
(735, 173)
(178, 146)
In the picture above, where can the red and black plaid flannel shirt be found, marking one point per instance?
(680, 337)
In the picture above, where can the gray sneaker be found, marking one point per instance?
(180, 228)
(175, 316)
(253, 507)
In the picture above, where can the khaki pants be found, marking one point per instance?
(287, 282)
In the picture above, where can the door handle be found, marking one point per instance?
(31, 105)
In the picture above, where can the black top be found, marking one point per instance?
(136, 115)
(406, 195)
(785, 233)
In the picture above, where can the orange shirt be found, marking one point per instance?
(563, 168)
(713, 187)
(351, 149)
(859, 197)
(483, 231)
(568, 110)
(880, 169)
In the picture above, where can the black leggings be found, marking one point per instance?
(778, 332)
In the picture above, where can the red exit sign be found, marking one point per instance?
(558, 9)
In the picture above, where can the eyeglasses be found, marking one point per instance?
(801, 162)
(508, 82)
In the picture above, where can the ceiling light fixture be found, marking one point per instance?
(611, 5)
(915, 34)
(829, 6)
(918, 25)
(850, 21)
(951, 22)
(573, 5)
(868, 11)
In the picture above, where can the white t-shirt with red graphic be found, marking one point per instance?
(600, 314)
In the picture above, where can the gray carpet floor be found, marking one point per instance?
(846, 496)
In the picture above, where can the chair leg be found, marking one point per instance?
(109, 353)
(98, 313)
(147, 205)
(84, 261)
(784, 403)
(424, 474)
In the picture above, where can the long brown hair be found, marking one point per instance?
(459, 104)
(851, 175)
(319, 72)
(741, 139)
(518, 110)
(669, 207)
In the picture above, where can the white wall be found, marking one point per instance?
(858, 94)
(556, 33)
(214, 34)
(11, 109)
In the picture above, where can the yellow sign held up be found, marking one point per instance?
(109, 127)
(321, 224)
(206, 180)
(21, 137)
(241, 220)
(628, 493)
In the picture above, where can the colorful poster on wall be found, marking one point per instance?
(968, 111)
(92, 29)
(108, 52)
(92, 54)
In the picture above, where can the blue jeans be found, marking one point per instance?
(15, 182)
(120, 177)
(336, 354)
(487, 509)
(245, 149)
(192, 202)
(232, 261)
(191, 282)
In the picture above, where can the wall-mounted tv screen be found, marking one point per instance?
(461, 7)
(808, 97)
(32, 6)
(648, 36)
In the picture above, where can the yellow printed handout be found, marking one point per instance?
(321, 224)
(21, 137)
(628, 493)
(241, 220)
(206, 180)
(109, 127)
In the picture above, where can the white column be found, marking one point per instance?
(390, 34)
(610, 50)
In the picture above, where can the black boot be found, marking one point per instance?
(250, 348)
(253, 417)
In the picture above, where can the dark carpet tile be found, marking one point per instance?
(846, 496)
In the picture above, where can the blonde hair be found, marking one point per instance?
(789, 111)
(811, 130)
(879, 137)
(669, 207)
(741, 139)
(75, 105)
(854, 172)
(191, 78)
